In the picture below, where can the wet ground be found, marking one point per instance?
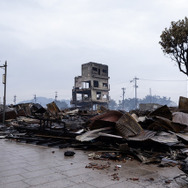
(25, 165)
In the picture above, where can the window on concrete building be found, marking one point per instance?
(95, 83)
(98, 95)
(85, 85)
(105, 96)
(99, 71)
(86, 96)
(105, 71)
(94, 69)
(105, 85)
(79, 96)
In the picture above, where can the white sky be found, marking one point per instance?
(46, 41)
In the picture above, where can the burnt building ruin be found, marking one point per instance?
(92, 88)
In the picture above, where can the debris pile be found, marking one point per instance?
(160, 136)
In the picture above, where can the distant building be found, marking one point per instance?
(92, 88)
(149, 106)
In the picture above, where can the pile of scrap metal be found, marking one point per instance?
(31, 119)
(160, 136)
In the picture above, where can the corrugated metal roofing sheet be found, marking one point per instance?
(144, 135)
(127, 126)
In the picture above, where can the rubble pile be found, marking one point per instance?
(160, 136)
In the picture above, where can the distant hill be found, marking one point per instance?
(43, 101)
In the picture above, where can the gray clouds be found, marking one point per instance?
(46, 41)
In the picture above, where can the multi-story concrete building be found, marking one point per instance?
(92, 88)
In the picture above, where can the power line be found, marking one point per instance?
(143, 79)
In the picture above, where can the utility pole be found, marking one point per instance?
(135, 87)
(14, 100)
(186, 88)
(150, 95)
(56, 96)
(35, 98)
(123, 102)
(5, 83)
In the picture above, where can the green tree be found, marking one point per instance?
(174, 42)
(130, 102)
(112, 104)
(156, 99)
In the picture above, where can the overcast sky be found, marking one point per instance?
(46, 41)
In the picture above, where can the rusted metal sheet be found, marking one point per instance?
(165, 138)
(127, 126)
(26, 107)
(183, 103)
(91, 135)
(53, 108)
(180, 117)
(144, 135)
(163, 111)
(183, 136)
(37, 109)
(109, 116)
(21, 112)
(110, 135)
(164, 124)
(9, 114)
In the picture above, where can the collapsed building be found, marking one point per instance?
(91, 89)
(159, 136)
(151, 134)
